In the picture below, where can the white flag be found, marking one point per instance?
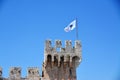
(71, 26)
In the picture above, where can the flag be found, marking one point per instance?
(71, 26)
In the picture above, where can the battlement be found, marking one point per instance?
(15, 73)
(60, 63)
(57, 52)
(33, 72)
(58, 44)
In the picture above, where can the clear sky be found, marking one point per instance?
(26, 24)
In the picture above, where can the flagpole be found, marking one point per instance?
(76, 29)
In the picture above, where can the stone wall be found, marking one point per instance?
(15, 74)
(60, 63)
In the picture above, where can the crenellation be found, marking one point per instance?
(77, 44)
(58, 44)
(78, 50)
(64, 60)
(15, 73)
(48, 43)
(68, 50)
(58, 64)
(68, 43)
(48, 47)
(33, 71)
(68, 46)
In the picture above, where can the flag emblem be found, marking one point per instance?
(71, 26)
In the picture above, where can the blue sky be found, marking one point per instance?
(26, 24)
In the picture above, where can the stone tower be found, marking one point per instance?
(61, 63)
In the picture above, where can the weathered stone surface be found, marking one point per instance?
(15, 72)
(60, 63)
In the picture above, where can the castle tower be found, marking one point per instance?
(61, 63)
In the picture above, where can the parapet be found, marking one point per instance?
(15, 73)
(59, 63)
(68, 49)
(33, 72)
(57, 52)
